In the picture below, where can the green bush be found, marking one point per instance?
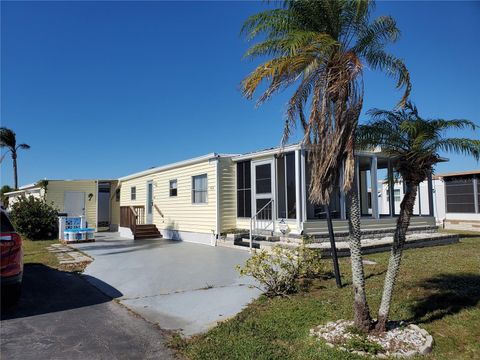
(279, 269)
(34, 218)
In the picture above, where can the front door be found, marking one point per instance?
(149, 205)
(264, 186)
(74, 203)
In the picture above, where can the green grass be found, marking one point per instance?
(438, 288)
(35, 252)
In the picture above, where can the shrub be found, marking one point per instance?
(279, 270)
(34, 218)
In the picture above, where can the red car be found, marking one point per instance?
(11, 260)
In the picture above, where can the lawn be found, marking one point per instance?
(438, 288)
(35, 252)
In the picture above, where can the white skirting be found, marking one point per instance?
(188, 236)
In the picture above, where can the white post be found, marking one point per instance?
(298, 196)
(251, 239)
(374, 190)
(475, 194)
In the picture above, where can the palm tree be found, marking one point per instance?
(414, 144)
(8, 140)
(320, 48)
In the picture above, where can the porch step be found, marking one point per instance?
(146, 231)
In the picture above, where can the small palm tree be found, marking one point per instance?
(414, 143)
(8, 140)
(320, 48)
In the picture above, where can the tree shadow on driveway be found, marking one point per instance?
(46, 290)
(449, 294)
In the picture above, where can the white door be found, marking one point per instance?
(74, 203)
(149, 207)
(263, 194)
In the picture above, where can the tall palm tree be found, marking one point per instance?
(414, 144)
(8, 140)
(320, 48)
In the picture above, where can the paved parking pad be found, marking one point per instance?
(179, 286)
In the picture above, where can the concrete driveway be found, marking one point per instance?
(179, 286)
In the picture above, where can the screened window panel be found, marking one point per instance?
(291, 193)
(244, 200)
(281, 201)
(173, 187)
(460, 195)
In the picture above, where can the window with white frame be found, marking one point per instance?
(199, 189)
(173, 187)
(133, 193)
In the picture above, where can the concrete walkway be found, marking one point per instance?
(177, 285)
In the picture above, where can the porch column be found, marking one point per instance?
(430, 196)
(298, 193)
(343, 210)
(303, 183)
(374, 189)
(391, 188)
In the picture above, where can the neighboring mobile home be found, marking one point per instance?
(97, 200)
(199, 199)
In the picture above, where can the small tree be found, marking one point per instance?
(413, 143)
(34, 218)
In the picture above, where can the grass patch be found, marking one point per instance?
(438, 288)
(35, 252)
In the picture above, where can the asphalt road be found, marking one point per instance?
(62, 316)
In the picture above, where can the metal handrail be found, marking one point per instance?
(254, 219)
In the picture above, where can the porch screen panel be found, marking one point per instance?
(244, 190)
(281, 201)
(290, 175)
(459, 195)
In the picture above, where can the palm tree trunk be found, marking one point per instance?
(362, 317)
(403, 221)
(15, 175)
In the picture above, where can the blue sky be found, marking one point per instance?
(104, 89)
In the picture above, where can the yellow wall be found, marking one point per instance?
(114, 206)
(178, 212)
(56, 194)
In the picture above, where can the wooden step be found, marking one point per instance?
(146, 231)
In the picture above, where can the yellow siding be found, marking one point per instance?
(114, 205)
(178, 212)
(228, 201)
(56, 193)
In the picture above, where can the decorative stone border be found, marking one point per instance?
(415, 341)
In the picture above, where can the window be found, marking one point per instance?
(173, 187)
(460, 195)
(263, 179)
(396, 194)
(244, 190)
(199, 189)
(117, 195)
(133, 193)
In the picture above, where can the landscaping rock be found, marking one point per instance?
(398, 341)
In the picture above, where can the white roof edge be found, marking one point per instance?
(19, 191)
(175, 165)
(266, 152)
